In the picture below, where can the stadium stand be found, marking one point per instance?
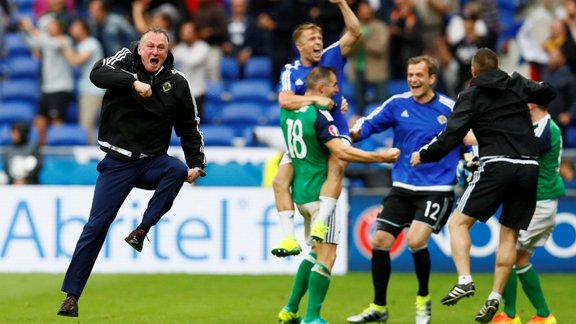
(221, 135)
(256, 91)
(23, 67)
(258, 67)
(16, 111)
(66, 135)
(229, 69)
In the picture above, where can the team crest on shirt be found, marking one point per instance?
(333, 130)
(299, 82)
(442, 119)
(167, 86)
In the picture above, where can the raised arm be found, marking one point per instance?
(353, 32)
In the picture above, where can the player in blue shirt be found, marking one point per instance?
(421, 198)
(291, 89)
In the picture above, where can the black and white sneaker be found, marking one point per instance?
(458, 292)
(373, 313)
(487, 311)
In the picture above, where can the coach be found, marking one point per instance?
(145, 97)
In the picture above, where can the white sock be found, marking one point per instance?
(287, 222)
(495, 295)
(464, 279)
(327, 207)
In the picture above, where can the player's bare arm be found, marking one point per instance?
(291, 101)
(352, 154)
(353, 32)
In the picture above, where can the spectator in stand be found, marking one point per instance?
(369, 64)
(455, 29)
(490, 14)
(448, 69)
(22, 160)
(244, 37)
(405, 37)
(277, 20)
(112, 30)
(570, 19)
(4, 20)
(88, 51)
(57, 83)
(329, 18)
(212, 27)
(165, 16)
(561, 38)
(465, 49)
(190, 58)
(434, 14)
(532, 34)
(559, 75)
(46, 10)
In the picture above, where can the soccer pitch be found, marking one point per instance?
(179, 298)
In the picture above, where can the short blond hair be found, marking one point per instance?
(303, 27)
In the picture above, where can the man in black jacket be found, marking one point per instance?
(145, 97)
(495, 108)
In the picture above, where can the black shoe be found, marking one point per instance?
(136, 239)
(458, 292)
(487, 311)
(69, 307)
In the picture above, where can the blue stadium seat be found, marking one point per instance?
(15, 45)
(23, 67)
(25, 7)
(258, 67)
(570, 137)
(252, 90)
(16, 111)
(66, 135)
(242, 114)
(272, 113)
(347, 91)
(220, 135)
(24, 89)
(229, 69)
(5, 136)
(72, 112)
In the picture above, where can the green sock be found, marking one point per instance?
(509, 294)
(531, 285)
(301, 282)
(319, 282)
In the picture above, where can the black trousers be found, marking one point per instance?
(164, 174)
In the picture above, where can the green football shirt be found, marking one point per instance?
(305, 131)
(550, 184)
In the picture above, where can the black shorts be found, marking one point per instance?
(55, 105)
(512, 184)
(401, 207)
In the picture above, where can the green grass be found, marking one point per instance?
(177, 298)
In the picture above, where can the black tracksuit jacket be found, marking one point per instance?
(495, 108)
(144, 125)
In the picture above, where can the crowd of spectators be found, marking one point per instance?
(68, 36)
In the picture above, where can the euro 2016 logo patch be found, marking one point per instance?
(333, 130)
(442, 119)
(167, 86)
